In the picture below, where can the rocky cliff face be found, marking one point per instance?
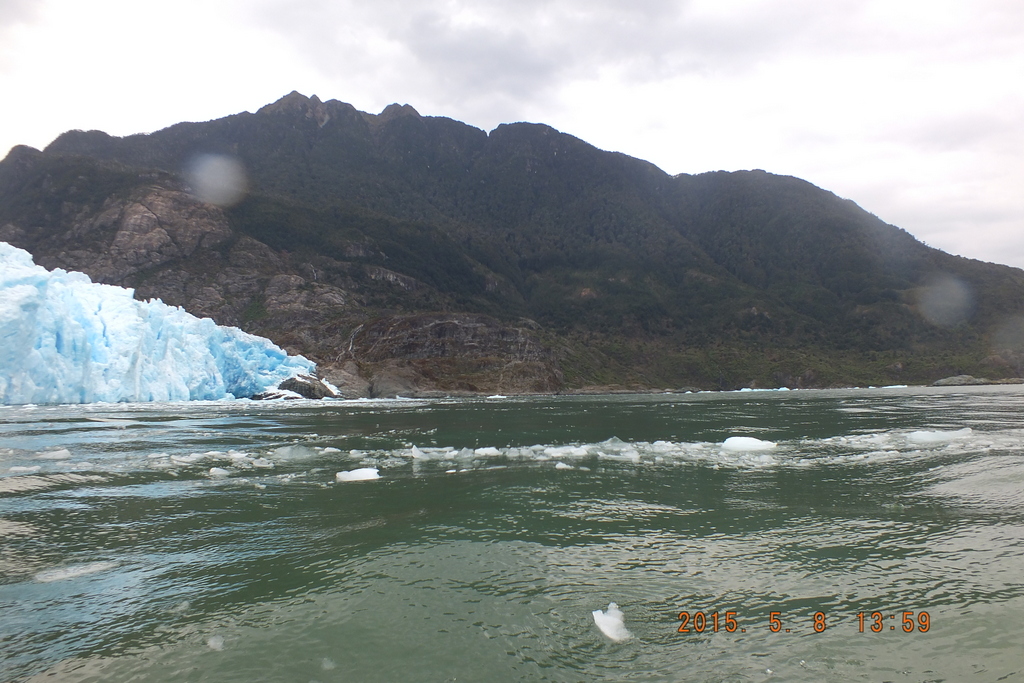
(449, 353)
(156, 237)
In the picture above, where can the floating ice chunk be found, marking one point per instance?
(332, 449)
(416, 453)
(488, 451)
(747, 444)
(562, 466)
(293, 453)
(62, 454)
(215, 642)
(567, 451)
(361, 474)
(497, 396)
(17, 469)
(614, 444)
(629, 455)
(73, 571)
(933, 437)
(611, 623)
(219, 472)
(263, 464)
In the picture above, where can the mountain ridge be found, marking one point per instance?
(631, 276)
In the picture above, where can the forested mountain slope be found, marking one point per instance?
(370, 242)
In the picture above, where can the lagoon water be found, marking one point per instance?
(215, 541)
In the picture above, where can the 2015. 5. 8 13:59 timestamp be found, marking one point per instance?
(731, 622)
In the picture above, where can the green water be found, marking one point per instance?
(212, 542)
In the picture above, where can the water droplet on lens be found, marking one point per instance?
(217, 179)
(945, 301)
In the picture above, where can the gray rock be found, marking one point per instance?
(394, 380)
(960, 381)
(308, 387)
(347, 378)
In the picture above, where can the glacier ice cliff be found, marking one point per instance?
(66, 339)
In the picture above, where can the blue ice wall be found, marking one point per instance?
(66, 339)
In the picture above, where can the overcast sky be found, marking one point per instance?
(914, 109)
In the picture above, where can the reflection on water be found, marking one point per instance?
(214, 541)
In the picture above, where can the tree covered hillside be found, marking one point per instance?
(628, 275)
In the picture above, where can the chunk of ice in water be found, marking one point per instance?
(747, 444)
(361, 474)
(61, 454)
(219, 472)
(611, 623)
(562, 466)
(215, 642)
(295, 452)
(73, 571)
(923, 437)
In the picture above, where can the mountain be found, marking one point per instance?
(407, 253)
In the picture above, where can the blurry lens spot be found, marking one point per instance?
(945, 301)
(1009, 336)
(217, 179)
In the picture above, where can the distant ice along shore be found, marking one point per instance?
(66, 339)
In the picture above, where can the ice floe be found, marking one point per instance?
(361, 474)
(612, 623)
(73, 571)
(747, 444)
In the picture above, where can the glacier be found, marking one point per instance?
(66, 339)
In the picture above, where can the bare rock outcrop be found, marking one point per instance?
(347, 378)
(154, 226)
(451, 354)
